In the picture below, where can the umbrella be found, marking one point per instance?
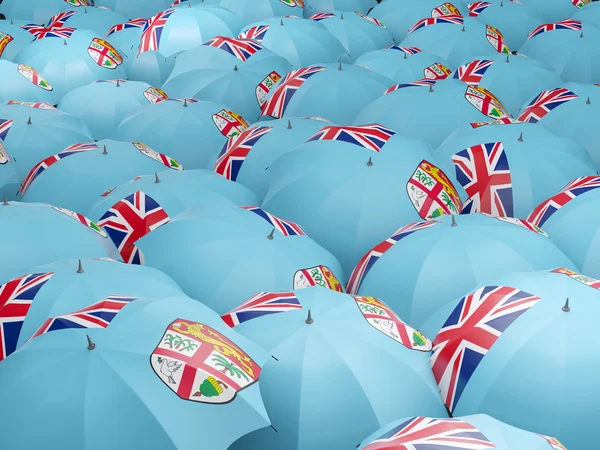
(98, 20)
(102, 105)
(307, 92)
(478, 431)
(40, 234)
(301, 42)
(432, 263)
(77, 60)
(523, 164)
(12, 37)
(401, 64)
(126, 36)
(142, 359)
(531, 338)
(177, 126)
(236, 72)
(569, 47)
(568, 213)
(135, 8)
(357, 32)
(175, 191)
(432, 113)
(247, 158)
(21, 82)
(151, 67)
(317, 6)
(91, 169)
(37, 10)
(333, 186)
(237, 252)
(554, 10)
(257, 10)
(320, 394)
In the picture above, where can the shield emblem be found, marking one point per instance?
(486, 102)
(588, 281)
(5, 39)
(36, 105)
(384, 320)
(4, 157)
(159, 157)
(436, 71)
(200, 364)
(81, 219)
(33, 75)
(155, 95)
(229, 123)
(523, 223)
(79, 2)
(317, 276)
(108, 192)
(265, 86)
(496, 39)
(431, 192)
(554, 443)
(445, 9)
(104, 54)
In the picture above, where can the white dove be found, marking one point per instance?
(167, 368)
(387, 326)
(417, 195)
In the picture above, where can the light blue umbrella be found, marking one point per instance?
(539, 162)
(151, 67)
(12, 37)
(478, 429)
(151, 403)
(247, 161)
(590, 14)
(79, 60)
(355, 88)
(40, 234)
(572, 52)
(75, 181)
(555, 10)
(135, 8)
(432, 113)
(237, 73)
(36, 11)
(301, 42)
(126, 37)
(401, 64)
(98, 20)
(357, 33)
(102, 105)
(20, 82)
(231, 253)
(334, 378)
(317, 6)
(9, 180)
(177, 127)
(252, 11)
(176, 191)
(430, 267)
(555, 394)
(39, 130)
(333, 187)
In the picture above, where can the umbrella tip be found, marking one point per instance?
(235, 68)
(80, 267)
(566, 307)
(502, 3)
(309, 320)
(340, 66)
(104, 152)
(64, 42)
(463, 27)
(91, 345)
(520, 137)
(5, 202)
(507, 58)
(289, 127)
(271, 234)
(29, 121)
(587, 102)
(370, 162)
(342, 16)
(405, 55)
(118, 83)
(11, 22)
(156, 179)
(280, 22)
(431, 88)
(581, 35)
(454, 224)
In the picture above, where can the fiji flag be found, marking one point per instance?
(242, 49)
(262, 304)
(477, 8)
(5, 125)
(449, 18)
(372, 137)
(286, 227)
(472, 73)
(545, 102)
(134, 23)
(257, 33)
(236, 151)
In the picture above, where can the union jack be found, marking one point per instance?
(97, 315)
(545, 102)
(474, 326)
(421, 82)
(484, 173)
(236, 151)
(423, 433)
(321, 16)
(367, 261)
(50, 160)
(16, 297)
(134, 23)
(407, 50)
(449, 18)
(5, 125)
(372, 136)
(260, 305)
(54, 28)
(286, 227)
(152, 31)
(588, 281)
(477, 8)
(567, 24)
(242, 49)
(578, 186)
(472, 72)
(130, 219)
(257, 33)
(276, 105)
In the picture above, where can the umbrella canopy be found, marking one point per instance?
(523, 165)
(102, 105)
(12, 37)
(64, 234)
(24, 83)
(252, 11)
(90, 170)
(432, 263)
(569, 47)
(307, 92)
(247, 158)
(317, 6)
(432, 113)
(333, 186)
(236, 72)
(98, 20)
(590, 14)
(252, 256)
(554, 10)
(357, 33)
(301, 42)
(478, 431)
(37, 11)
(9, 180)
(143, 360)
(135, 8)
(151, 67)
(319, 394)
(175, 191)
(126, 36)
(74, 61)
(532, 338)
